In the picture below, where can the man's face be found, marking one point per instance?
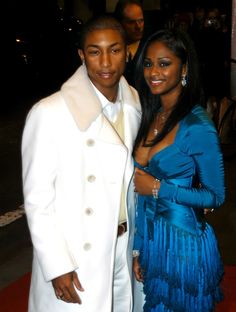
(104, 54)
(133, 22)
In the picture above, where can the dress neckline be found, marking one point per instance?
(164, 148)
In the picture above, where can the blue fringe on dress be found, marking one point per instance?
(182, 271)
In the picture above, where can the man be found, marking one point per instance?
(130, 14)
(77, 168)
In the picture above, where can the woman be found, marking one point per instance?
(179, 174)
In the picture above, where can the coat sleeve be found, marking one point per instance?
(39, 170)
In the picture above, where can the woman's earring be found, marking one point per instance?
(183, 81)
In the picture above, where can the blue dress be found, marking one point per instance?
(179, 254)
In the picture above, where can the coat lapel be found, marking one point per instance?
(81, 99)
(83, 102)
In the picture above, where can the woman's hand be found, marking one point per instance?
(137, 270)
(144, 182)
(206, 211)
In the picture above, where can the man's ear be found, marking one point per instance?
(127, 55)
(81, 55)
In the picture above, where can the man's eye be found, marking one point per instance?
(147, 64)
(130, 22)
(115, 50)
(93, 52)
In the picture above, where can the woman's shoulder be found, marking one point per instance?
(196, 125)
(197, 132)
(199, 119)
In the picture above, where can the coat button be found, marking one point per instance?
(90, 142)
(91, 178)
(89, 211)
(87, 246)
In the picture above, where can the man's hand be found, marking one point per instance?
(64, 287)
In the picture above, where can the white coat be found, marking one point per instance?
(74, 165)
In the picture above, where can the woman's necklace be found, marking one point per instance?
(160, 121)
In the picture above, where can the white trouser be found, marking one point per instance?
(138, 296)
(121, 282)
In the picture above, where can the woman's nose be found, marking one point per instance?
(155, 71)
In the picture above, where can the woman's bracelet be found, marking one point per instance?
(155, 189)
(135, 253)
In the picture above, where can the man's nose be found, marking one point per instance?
(139, 23)
(105, 59)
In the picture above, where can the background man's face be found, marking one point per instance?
(133, 22)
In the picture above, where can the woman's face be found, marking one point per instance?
(163, 70)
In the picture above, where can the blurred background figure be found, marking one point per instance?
(199, 17)
(211, 43)
(183, 21)
(130, 14)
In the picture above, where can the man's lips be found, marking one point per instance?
(106, 75)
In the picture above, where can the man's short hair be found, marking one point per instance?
(101, 22)
(121, 5)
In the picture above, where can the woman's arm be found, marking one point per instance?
(202, 145)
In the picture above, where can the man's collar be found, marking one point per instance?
(83, 102)
(104, 101)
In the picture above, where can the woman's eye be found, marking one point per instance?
(147, 63)
(164, 64)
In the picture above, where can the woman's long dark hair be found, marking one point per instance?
(182, 46)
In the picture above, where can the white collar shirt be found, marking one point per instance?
(111, 110)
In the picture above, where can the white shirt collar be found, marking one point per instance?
(110, 109)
